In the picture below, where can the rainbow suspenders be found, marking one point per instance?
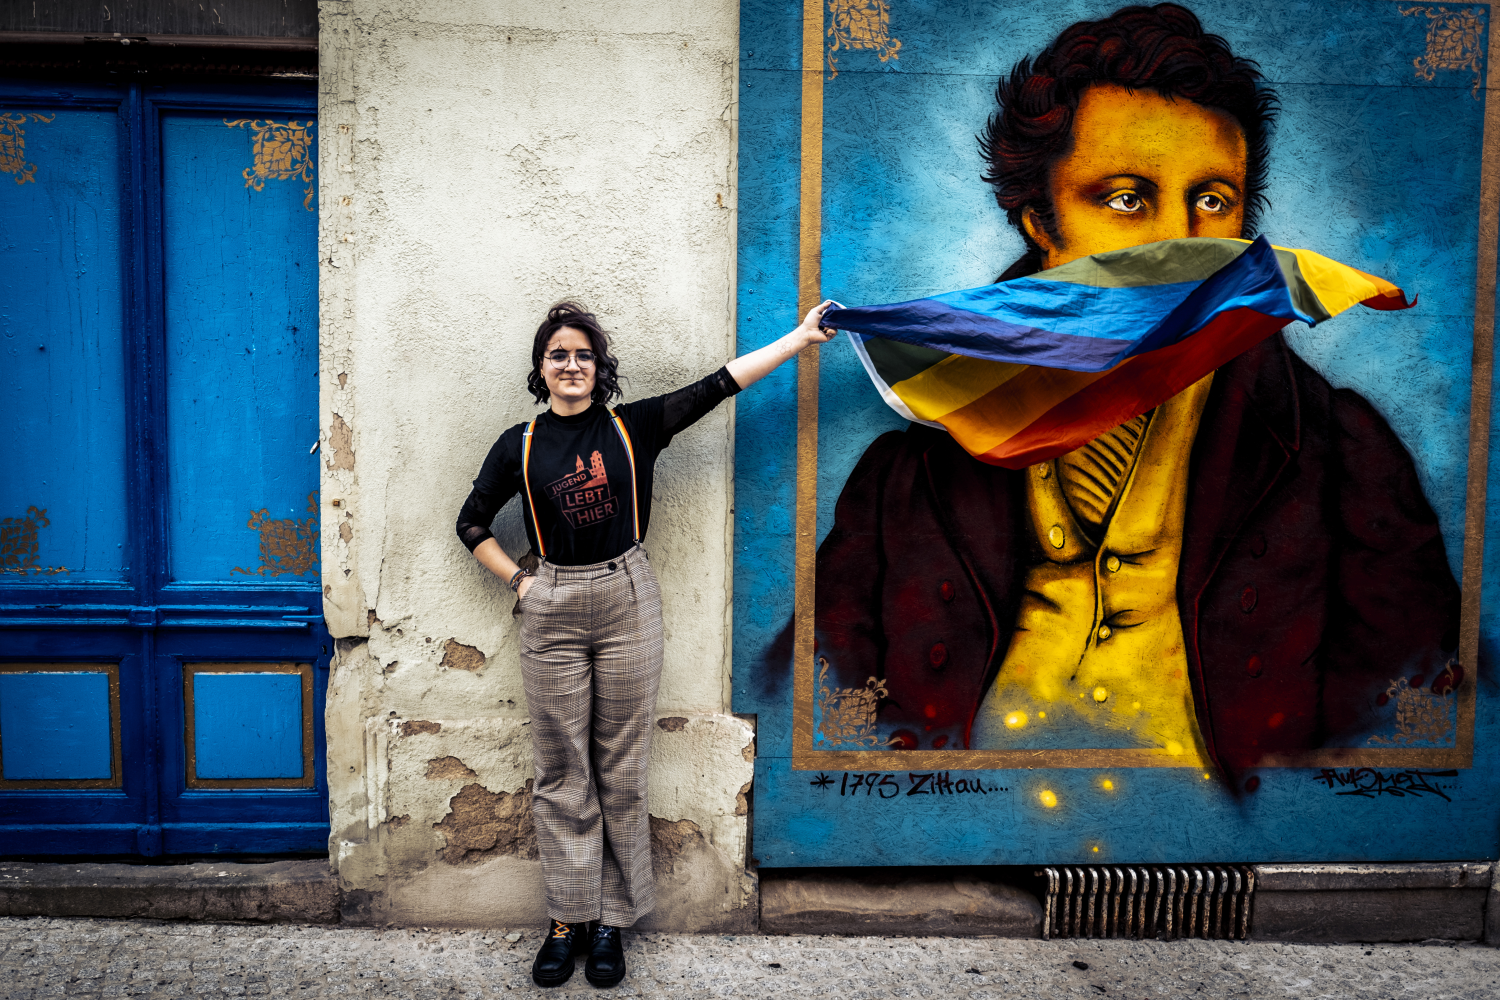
(536, 524)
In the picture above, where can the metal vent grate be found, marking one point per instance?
(1148, 901)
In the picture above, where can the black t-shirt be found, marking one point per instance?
(580, 473)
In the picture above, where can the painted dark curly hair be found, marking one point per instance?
(1162, 48)
(606, 366)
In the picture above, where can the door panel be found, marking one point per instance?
(62, 421)
(163, 660)
(61, 814)
(60, 722)
(249, 724)
(239, 249)
(224, 719)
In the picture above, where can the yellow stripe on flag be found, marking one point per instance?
(1009, 408)
(1338, 286)
(953, 383)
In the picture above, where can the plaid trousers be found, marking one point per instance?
(591, 651)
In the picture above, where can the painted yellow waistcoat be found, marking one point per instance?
(1098, 638)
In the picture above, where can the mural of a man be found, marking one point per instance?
(1236, 575)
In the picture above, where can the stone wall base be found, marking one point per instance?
(283, 892)
(1307, 903)
(1415, 902)
(909, 902)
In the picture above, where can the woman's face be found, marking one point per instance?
(575, 382)
(1143, 168)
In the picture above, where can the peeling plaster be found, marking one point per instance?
(448, 768)
(414, 727)
(341, 441)
(670, 840)
(460, 657)
(483, 824)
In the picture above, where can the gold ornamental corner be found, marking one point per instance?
(1455, 41)
(848, 714)
(283, 152)
(860, 24)
(13, 144)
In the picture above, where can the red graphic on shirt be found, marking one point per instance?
(584, 497)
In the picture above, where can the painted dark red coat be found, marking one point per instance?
(1313, 572)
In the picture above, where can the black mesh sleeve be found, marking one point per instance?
(686, 406)
(475, 517)
(499, 480)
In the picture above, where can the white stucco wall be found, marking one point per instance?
(479, 161)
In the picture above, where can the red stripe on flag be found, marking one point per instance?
(1133, 387)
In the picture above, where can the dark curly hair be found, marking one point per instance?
(1162, 48)
(606, 366)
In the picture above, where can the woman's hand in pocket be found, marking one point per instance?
(524, 586)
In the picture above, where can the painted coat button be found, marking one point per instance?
(1104, 632)
(1258, 546)
(945, 590)
(1056, 537)
(1253, 666)
(1112, 564)
(1046, 472)
(937, 655)
(1247, 600)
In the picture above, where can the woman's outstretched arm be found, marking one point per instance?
(752, 367)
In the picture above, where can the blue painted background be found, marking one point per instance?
(1370, 165)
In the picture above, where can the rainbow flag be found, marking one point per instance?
(1029, 369)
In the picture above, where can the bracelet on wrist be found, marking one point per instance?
(517, 577)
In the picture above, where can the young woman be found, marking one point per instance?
(591, 631)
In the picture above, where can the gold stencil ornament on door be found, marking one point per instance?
(283, 151)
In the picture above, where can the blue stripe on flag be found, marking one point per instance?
(1032, 321)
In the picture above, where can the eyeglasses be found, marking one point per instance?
(559, 359)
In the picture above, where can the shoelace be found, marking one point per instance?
(561, 930)
(606, 931)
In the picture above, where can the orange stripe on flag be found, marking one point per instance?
(1010, 408)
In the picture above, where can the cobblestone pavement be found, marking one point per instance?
(128, 958)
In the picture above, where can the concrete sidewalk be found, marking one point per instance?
(50, 957)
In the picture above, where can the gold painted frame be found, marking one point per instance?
(116, 771)
(190, 750)
(809, 294)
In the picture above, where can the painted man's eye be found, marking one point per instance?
(1126, 201)
(1211, 203)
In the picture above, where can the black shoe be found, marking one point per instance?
(606, 964)
(554, 963)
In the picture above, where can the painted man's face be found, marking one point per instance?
(1143, 168)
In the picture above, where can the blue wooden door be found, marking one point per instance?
(162, 653)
